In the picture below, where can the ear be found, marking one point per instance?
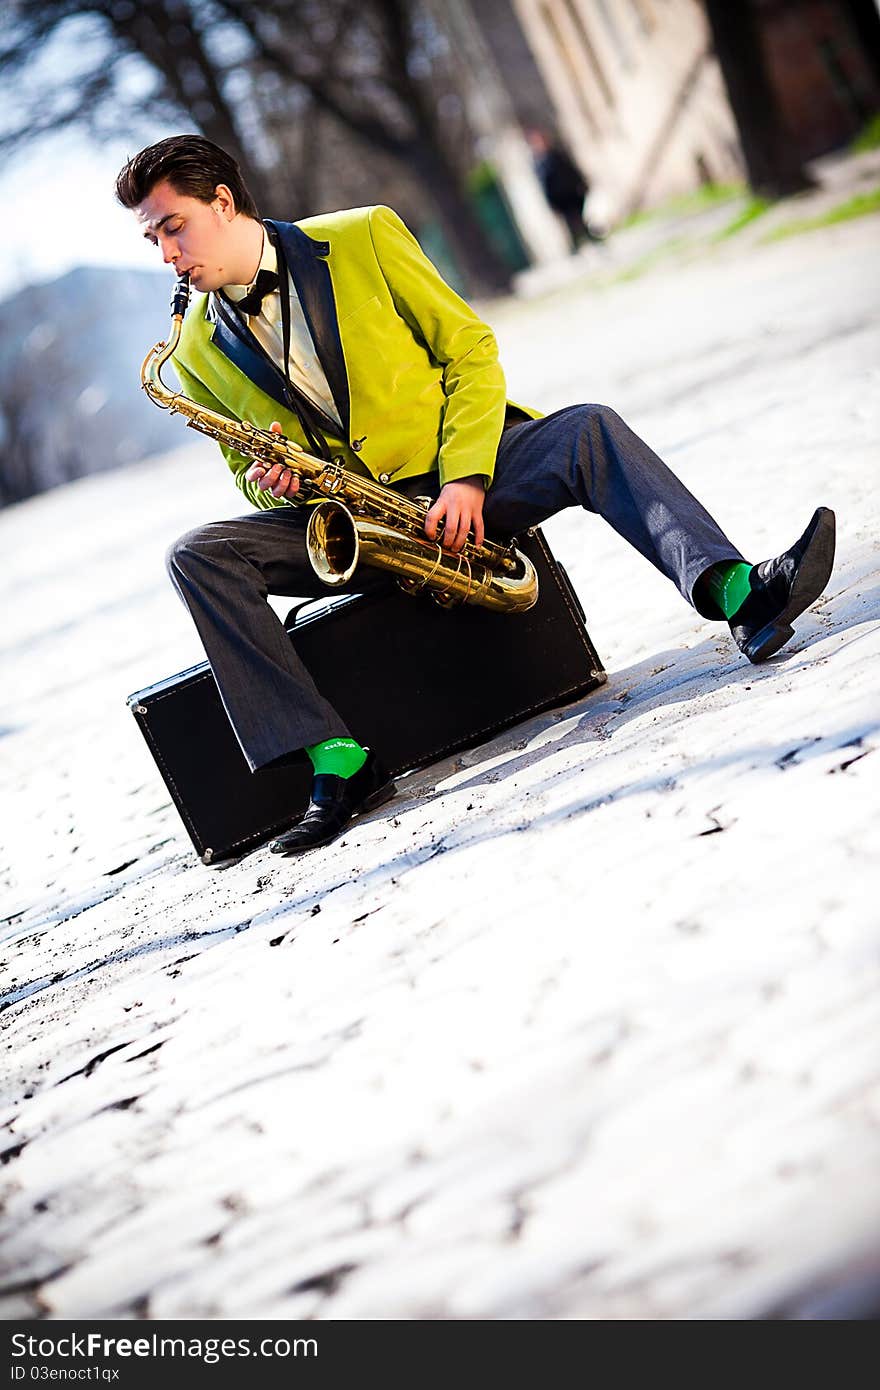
(224, 202)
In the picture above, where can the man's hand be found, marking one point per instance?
(275, 479)
(460, 504)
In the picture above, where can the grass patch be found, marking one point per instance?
(754, 208)
(858, 206)
(869, 138)
(710, 195)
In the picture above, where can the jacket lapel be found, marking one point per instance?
(311, 277)
(231, 337)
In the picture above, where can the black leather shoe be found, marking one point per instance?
(334, 801)
(783, 588)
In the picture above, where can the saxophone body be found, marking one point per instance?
(355, 519)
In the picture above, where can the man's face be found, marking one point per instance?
(194, 237)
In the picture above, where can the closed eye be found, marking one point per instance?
(153, 239)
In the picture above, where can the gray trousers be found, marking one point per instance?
(582, 456)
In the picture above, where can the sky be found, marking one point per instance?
(57, 194)
(60, 212)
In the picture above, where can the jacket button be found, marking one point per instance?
(384, 477)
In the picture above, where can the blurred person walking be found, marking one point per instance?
(565, 187)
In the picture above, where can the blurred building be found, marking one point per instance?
(634, 90)
(631, 86)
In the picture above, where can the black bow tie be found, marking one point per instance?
(267, 281)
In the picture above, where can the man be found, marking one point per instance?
(565, 187)
(338, 331)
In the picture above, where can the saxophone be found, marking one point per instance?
(356, 519)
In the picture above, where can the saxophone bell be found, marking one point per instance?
(332, 543)
(337, 540)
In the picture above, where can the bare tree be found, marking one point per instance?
(772, 163)
(18, 460)
(251, 75)
(26, 465)
(385, 73)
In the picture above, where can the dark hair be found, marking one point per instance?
(192, 165)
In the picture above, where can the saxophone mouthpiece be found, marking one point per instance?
(180, 296)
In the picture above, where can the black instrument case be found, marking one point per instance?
(410, 679)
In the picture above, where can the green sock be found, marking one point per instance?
(341, 756)
(729, 585)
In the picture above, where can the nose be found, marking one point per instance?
(170, 252)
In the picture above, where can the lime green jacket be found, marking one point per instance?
(413, 371)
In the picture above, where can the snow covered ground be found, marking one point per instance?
(586, 1024)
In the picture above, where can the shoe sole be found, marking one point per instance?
(376, 799)
(813, 574)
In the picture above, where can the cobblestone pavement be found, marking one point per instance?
(585, 1024)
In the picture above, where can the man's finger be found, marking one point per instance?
(269, 478)
(450, 530)
(433, 519)
(280, 486)
(461, 534)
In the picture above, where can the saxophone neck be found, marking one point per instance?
(151, 369)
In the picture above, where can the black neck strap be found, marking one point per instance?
(295, 399)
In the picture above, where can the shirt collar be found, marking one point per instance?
(268, 261)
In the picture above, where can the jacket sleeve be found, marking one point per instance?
(192, 387)
(462, 345)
